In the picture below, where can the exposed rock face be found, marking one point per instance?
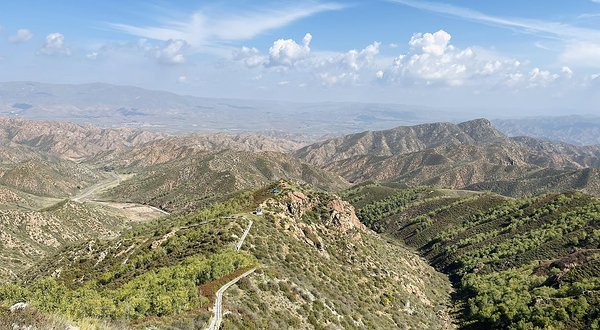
(343, 216)
(290, 211)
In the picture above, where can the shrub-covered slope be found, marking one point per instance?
(29, 236)
(528, 263)
(173, 178)
(318, 268)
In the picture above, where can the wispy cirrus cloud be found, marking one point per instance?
(524, 25)
(206, 29)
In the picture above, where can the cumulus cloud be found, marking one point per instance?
(302, 85)
(432, 60)
(171, 52)
(283, 83)
(379, 74)
(352, 60)
(287, 52)
(55, 46)
(22, 36)
(538, 77)
(251, 57)
(182, 80)
(256, 78)
(393, 45)
(92, 56)
(435, 44)
(567, 72)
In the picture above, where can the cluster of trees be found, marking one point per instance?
(370, 214)
(518, 299)
(164, 291)
(529, 263)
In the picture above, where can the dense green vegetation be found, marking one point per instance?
(530, 263)
(153, 270)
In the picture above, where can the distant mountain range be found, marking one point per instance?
(472, 155)
(577, 130)
(108, 105)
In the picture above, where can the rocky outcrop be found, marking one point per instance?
(343, 216)
(333, 216)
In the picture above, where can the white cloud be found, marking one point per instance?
(256, 78)
(432, 61)
(541, 78)
(251, 57)
(435, 44)
(352, 60)
(302, 85)
(567, 72)
(182, 80)
(581, 44)
(328, 79)
(92, 56)
(55, 46)
(582, 54)
(22, 36)
(211, 28)
(170, 52)
(379, 74)
(287, 52)
(283, 83)
(393, 45)
(523, 25)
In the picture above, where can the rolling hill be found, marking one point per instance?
(173, 177)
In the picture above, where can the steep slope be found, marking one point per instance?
(29, 236)
(54, 179)
(317, 268)
(543, 181)
(460, 166)
(517, 264)
(400, 140)
(172, 177)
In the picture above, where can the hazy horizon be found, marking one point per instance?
(531, 58)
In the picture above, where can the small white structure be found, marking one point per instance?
(259, 212)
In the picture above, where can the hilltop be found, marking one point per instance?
(471, 155)
(172, 177)
(318, 267)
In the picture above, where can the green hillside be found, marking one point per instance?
(528, 263)
(318, 268)
(191, 179)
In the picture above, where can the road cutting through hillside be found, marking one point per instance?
(239, 245)
(218, 309)
(100, 186)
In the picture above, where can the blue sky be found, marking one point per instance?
(537, 55)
